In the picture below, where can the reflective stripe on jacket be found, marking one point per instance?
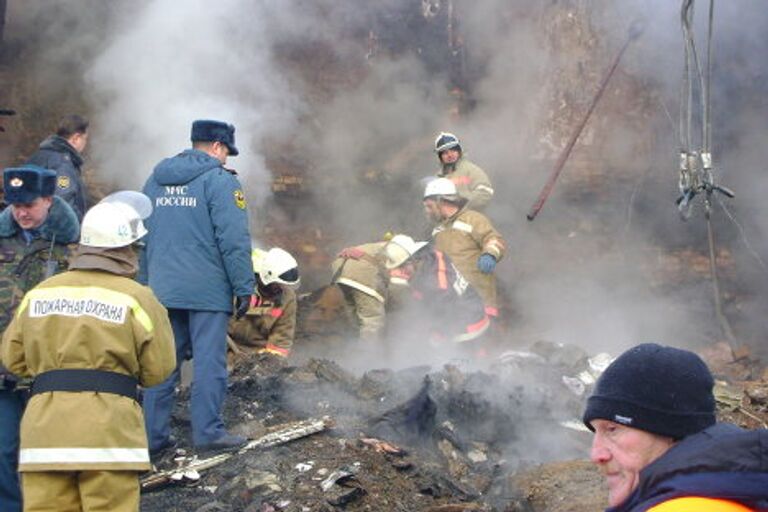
(366, 274)
(88, 319)
(472, 183)
(268, 325)
(464, 237)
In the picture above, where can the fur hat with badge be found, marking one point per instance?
(24, 184)
(206, 130)
(661, 390)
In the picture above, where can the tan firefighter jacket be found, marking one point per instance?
(268, 325)
(88, 319)
(472, 183)
(464, 237)
(366, 274)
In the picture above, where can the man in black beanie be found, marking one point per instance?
(657, 442)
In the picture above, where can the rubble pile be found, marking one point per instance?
(401, 440)
(507, 438)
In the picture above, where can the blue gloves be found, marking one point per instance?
(486, 263)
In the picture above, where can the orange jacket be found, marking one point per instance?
(696, 504)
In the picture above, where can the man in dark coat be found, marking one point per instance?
(62, 153)
(197, 259)
(658, 445)
(35, 231)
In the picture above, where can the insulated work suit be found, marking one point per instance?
(56, 154)
(472, 183)
(269, 325)
(197, 257)
(721, 469)
(464, 237)
(83, 448)
(24, 263)
(365, 283)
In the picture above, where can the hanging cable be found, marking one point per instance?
(696, 170)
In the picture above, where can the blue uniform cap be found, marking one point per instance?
(27, 183)
(206, 130)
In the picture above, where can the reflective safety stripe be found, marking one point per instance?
(83, 296)
(473, 331)
(697, 504)
(485, 188)
(442, 278)
(363, 288)
(491, 311)
(276, 312)
(461, 180)
(462, 226)
(83, 455)
(274, 349)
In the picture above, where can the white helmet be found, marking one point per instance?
(399, 250)
(116, 221)
(446, 141)
(440, 187)
(275, 266)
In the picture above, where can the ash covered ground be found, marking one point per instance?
(447, 439)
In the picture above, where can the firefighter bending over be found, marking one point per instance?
(89, 337)
(269, 325)
(364, 274)
(472, 183)
(467, 237)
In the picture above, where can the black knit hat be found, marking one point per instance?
(662, 390)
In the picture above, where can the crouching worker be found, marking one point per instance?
(88, 337)
(657, 444)
(269, 325)
(364, 273)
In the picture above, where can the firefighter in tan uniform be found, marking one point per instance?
(472, 183)
(364, 273)
(467, 237)
(269, 325)
(89, 337)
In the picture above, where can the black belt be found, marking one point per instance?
(98, 381)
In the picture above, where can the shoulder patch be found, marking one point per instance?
(239, 199)
(63, 182)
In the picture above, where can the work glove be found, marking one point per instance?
(352, 253)
(486, 263)
(242, 303)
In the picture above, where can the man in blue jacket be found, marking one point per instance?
(658, 445)
(62, 153)
(197, 258)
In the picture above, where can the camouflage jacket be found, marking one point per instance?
(24, 265)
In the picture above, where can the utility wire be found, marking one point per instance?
(700, 177)
(743, 235)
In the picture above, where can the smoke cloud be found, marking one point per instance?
(356, 93)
